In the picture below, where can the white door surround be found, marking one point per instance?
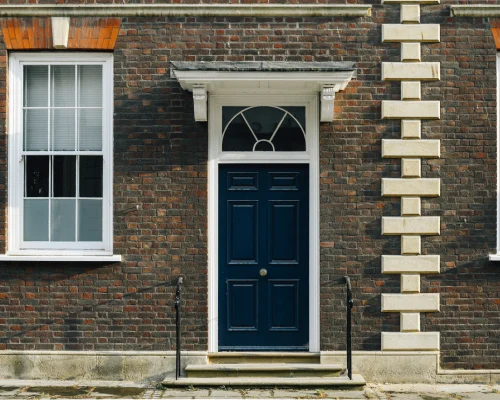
(309, 84)
(217, 157)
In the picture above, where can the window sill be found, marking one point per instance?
(86, 258)
(494, 257)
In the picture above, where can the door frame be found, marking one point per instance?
(216, 157)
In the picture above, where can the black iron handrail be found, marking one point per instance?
(349, 305)
(177, 304)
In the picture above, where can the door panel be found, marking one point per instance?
(242, 243)
(263, 257)
(283, 228)
(284, 181)
(242, 305)
(283, 305)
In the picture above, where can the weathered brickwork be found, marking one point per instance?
(160, 165)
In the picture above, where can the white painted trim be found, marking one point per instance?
(257, 81)
(216, 157)
(496, 257)
(201, 81)
(15, 171)
(40, 258)
(187, 10)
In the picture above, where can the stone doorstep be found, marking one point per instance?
(262, 357)
(285, 370)
(341, 382)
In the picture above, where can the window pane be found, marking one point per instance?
(90, 85)
(299, 113)
(289, 136)
(37, 176)
(62, 220)
(36, 220)
(36, 130)
(36, 86)
(64, 182)
(90, 176)
(238, 137)
(90, 220)
(63, 130)
(62, 85)
(90, 129)
(228, 113)
(264, 120)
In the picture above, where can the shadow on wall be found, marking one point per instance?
(62, 310)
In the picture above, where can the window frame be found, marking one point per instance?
(16, 160)
(496, 256)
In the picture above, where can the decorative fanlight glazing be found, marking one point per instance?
(263, 128)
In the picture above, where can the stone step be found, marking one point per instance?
(283, 370)
(263, 357)
(340, 382)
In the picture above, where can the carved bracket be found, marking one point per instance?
(200, 103)
(327, 102)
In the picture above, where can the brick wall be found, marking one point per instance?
(161, 166)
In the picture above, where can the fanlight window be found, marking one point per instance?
(263, 128)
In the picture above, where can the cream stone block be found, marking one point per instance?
(411, 33)
(410, 264)
(410, 341)
(403, 71)
(389, 366)
(410, 322)
(410, 13)
(411, 90)
(410, 225)
(410, 206)
(410, 283)
(411, 52)
(462, 376)
(411, 245)
(421, 302)
(423, 187)
(60, 32)
(411, 168)
(411, 129)
(397, 148)
(401, 109)
(137, 366)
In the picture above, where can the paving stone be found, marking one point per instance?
(477, 396)
(225, 394)
(345, 394)
(259, 394)
(7, 391)
(185, 394)
(293, 394)
(415, 396)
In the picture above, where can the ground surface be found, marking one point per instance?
(15, 389)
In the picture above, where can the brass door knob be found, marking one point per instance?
(263, 272)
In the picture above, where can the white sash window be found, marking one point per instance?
(60, 154)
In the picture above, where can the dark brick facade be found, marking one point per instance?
(160, 165)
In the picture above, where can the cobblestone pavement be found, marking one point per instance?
(62, 390)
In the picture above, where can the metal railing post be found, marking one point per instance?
(349, 305)
(177, 304)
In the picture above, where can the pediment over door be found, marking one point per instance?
(204, 78)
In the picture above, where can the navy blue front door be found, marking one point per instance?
(263, 257)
